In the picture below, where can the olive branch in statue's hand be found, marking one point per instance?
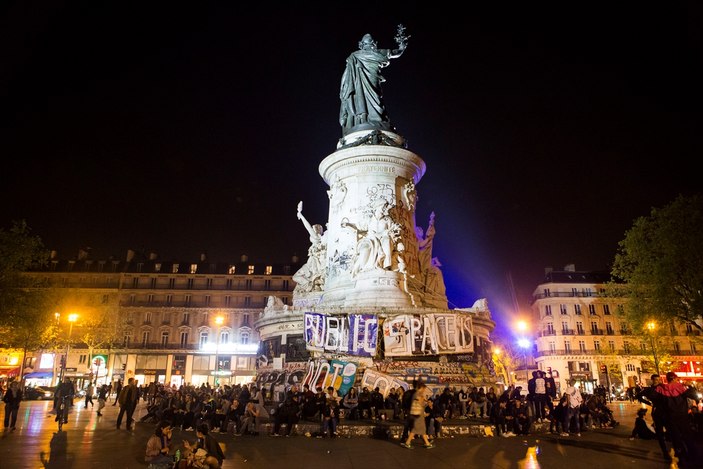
(400, 38)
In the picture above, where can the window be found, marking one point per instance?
(228, 284)
(582, 346)
(269, 270)
(224, 337)
(127, 338)
(172, 283)
(193, 268)
(164, 338)
(550, 328)
(693, 347)
(577, 310)
(587, 292)
(608, 327)
(552, 346)
(83, 359)
(567, 346)
(244, 337)
(574, 292)
(167, 318)
(150, 299)
(245, 319)
(208, 284)
(191, 282)
(629, 367)
(153, 283)
(547, 293)
(188, 299)
(147, 317)
(643, 347)
(186, 318)
(231, 270)
(132, 299)
(564, 327)
(548, 310)
(611, 345)
(135, 282)
(247, 284)
(202, 340)
(286, 285)
(250, 270)
(596, 345)
(621, 310)
(562, 309)
(169, 300)
(592, 309)
(145, 337)
(579, 327)
(626, 347)
(247, 301)
(677, 347)
(267, 284)
(208, 298)
(606, 309)
(157, 267)
(228, 300)
(594, 327)
(184, 338)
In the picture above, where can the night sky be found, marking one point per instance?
(547, 129)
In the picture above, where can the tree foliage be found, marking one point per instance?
(23, 301)
(660, 265)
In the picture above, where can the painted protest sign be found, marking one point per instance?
(427, 334)
(339, 374)
(374, 379)
(352, 334)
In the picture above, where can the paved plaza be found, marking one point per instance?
(89, 441)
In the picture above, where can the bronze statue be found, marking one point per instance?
(360, 92)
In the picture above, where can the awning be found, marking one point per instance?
(39, 375)
(9, 371)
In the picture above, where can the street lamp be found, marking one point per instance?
(73, 317)
(218, 320)
(651, 325)
(497, 352)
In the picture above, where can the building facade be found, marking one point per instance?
(582, 334)
(174, 322)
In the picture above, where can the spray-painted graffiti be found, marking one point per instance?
(336, 373)
(353, 334)
(427, 334)
(373, 379)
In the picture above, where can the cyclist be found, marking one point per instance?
(63, 391)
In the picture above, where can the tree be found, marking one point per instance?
(659, 265)
(23, 301)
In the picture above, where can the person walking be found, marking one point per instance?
(129, 396)
(417, 413)
(102, 398)
(676, 417)
(12, 398)
(90, 390)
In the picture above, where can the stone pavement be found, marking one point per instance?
(89, 441)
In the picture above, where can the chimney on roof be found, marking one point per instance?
(570, 268)
(244, 258)
(130, 255)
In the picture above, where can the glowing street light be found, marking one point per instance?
(651, 325)
(498, 354)
(218, 320)
(73, 317)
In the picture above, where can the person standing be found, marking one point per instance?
(129, 396)
(571, 411)
(656, 401)
(12, 398)
(118, 390)
(676, 417)
(417, 413)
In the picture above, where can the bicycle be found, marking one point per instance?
(62, 412)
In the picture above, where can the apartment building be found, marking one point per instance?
(177, 322)
(582, 334)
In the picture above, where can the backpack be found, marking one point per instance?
(407, 399)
